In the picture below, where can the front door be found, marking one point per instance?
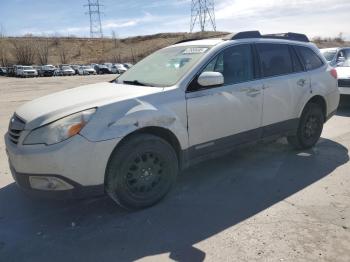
(224, 116)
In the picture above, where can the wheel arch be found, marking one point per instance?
(160, 132)
(319, 100)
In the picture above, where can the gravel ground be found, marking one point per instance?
(262, 203)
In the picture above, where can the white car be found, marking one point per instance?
(26, 71)
(118, 69)
(67, 70)
(86, 70)
(340, 58)
(181, 105)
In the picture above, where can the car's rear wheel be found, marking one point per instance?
(309, 129)
(141, 171)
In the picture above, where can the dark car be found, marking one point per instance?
(11, 71)
(3, 71)
(47, 70)
(102, 69)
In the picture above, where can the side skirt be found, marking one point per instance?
(222, 146)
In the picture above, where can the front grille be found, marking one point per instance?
(344, 82)
(15, 129)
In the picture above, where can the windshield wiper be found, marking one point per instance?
(136, 83)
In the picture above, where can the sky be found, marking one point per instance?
(326, 18)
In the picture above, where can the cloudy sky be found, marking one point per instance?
(140, 17)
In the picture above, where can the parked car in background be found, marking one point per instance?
(340, 58)
(128, 65)
(11, 71)
(118, 69)
(3, 71)
(67, 70)
(76, 68)
(47, 70)
(86, 70)
(130, 137)
(102, 69)
(26, 71)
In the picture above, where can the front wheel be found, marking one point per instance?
(309, 129)
(141, 171)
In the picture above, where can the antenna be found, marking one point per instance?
(203, 13)
(95, 18)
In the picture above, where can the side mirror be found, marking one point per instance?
(211, 79)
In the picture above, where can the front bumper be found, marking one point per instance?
(76, 161)
(78, 191)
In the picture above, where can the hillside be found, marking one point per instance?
(58, 50)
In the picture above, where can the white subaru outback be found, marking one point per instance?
(182, 104)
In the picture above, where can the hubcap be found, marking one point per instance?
(144, 173)
(311, 127)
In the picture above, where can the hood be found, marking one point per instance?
(55, 106)
(343, 72)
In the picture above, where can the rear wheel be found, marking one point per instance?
(141, 171)
(309, 129)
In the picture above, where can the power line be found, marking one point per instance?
(203, 14)
(94, 12)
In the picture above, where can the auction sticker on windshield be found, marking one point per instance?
(195, 50)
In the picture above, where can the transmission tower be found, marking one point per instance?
(203, 13)
(94, 12)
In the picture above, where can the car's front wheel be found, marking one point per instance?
(309, 129)
(141, 171)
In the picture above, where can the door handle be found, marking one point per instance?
(301, 82)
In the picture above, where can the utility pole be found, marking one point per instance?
(94, 12)
(203, 14)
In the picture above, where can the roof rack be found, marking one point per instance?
(256, 34)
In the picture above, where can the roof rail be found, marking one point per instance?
(256, 34)
(187, 40)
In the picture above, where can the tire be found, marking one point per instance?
(141, 171)
(310, 127)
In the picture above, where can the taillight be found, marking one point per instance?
(334, 73)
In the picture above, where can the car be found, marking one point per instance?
(86, 70)
(26, 71)
(118, 69)
(3, 71)
(76, 68)
(181, 105)
(128, 65)
(102, 69)
(10, 71)
(67, 70)
(340, 58)
(47, 70)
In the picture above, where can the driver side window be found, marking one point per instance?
(235, 63)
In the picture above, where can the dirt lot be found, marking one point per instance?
(263, 203)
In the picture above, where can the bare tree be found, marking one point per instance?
(63, 53)
(24, 50)
(4, 61)
(42, 49)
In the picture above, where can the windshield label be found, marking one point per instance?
(195, 50)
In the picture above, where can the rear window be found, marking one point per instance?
(309, 57)
(275, 59)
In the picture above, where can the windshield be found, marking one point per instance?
(66, 68)
(345, 53)
(27, 68)
(329, 54)
(164, 67)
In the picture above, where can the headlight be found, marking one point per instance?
(59, 130)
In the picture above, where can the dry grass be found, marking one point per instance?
(86, 50)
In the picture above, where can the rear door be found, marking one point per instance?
(285, 83)
(221, 117)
